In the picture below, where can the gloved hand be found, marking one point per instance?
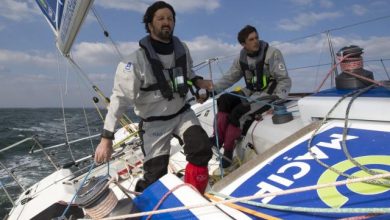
(201, 98)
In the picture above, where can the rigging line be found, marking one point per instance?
(334, 29)
(331, 70)
(384, 67)
(314, 34)
(332, 54)
(326, 64)
(84, 75)
(86, 120)
(63, 108)
(87, 80)
(259, 100)
(216, 123)
(324, 120)
(319, 60)
(203, 64)
(106, 33)
(345, 131)
(219, 66)
(359, 23)
(257, 196)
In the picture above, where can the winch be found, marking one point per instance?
(96, 198)
(352, 62)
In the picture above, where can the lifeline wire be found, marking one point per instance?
(216, 123)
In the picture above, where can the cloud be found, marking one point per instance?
(326, 3)
(131, 5)
(180, 6)
(313, 51)
(306, 19)
(101, 54)
(99, 60)
(191, 5)
(374, 47)
(302, 2)
(27, 58)
(18, 10)
(359, 9)
(204, 47)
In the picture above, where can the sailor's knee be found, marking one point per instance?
(226, 102)
(237, 113)
(197, 146)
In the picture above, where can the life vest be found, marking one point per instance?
(168, 80)
(255, 79)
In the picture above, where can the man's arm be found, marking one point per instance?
(278, 71)
(124, 92)
(233, 75)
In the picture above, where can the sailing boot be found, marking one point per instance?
(154, 169)
(197, 176)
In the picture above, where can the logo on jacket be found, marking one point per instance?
(281, 66)
(128, 65)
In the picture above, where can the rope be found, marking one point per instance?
(246, 198)
(322, 123)
(345, 131)
(308, 209)
(167, 194)
(351, 63)
(63, 108)
(243, 209)
(77, 191)
(252, 99)
(331, 70)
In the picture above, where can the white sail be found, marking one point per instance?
(65, 18)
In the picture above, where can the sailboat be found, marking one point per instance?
(321, 156)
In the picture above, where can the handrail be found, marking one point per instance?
(64, 144)
(17, 143)
(6, 193)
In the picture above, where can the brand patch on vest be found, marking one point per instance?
(128, 66)
(281, 66)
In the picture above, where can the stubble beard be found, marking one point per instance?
(165, 34)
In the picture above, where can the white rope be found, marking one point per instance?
(246, 198)
(63, 108)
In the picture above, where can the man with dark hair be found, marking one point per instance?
(154, 80)
(264, 71)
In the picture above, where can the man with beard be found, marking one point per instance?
(265, 74)
(154, 81)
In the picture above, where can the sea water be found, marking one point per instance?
(50, 127)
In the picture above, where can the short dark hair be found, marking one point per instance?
(149, 14)
(244, 33)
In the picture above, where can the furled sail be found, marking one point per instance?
(65, 18)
